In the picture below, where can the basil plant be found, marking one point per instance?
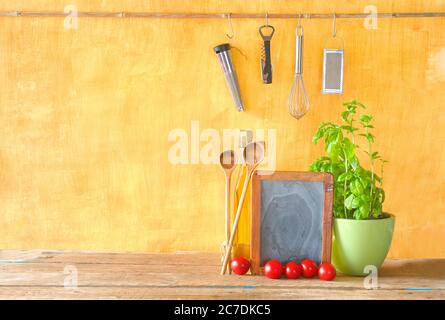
(358, 192)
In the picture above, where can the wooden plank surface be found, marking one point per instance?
(41, 275)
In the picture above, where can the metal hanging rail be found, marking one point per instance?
(184, 15)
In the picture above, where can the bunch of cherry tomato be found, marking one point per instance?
(273, 269)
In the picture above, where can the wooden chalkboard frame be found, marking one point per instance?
(328, 188)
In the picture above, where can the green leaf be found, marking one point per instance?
(314, 167)
(334, 135)
(352, 108)
(361, 105)
(370, 137)
(354, 163)
(352, 202)
(345, 115)
(356, 187)
(344, 176)
(317, 136)
(364, 182)
(330, 147)
(349, 148)
(348, 202)
(325, 167)
(377, 210)
(321, 131)
(365, 118)
(365, 198)
(363, 211)
(380, 195)
(355, 203)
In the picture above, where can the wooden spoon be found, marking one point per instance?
(253, 154)
(227, 161)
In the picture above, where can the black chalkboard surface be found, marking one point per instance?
(291, 217)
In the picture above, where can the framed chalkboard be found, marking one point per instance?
(291, 217)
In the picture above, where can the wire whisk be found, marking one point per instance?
(298, 102)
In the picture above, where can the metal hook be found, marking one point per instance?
(334, 27)
(267, 19)
(299, 26)
(232, 33)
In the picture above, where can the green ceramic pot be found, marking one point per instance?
(359, 243)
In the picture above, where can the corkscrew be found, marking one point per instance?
(266, 64)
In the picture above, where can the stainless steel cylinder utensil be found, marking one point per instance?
(225, 59)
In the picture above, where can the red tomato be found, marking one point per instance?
(293, 270)
(326, 272)
(240, 265)
(273, 269)
(310, 268)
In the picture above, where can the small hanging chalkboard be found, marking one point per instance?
(291, 217)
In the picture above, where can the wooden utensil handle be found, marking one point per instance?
(235, 223)
(227, 212)
(227, 208)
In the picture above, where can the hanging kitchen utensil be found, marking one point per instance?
(266, 32)
(333, 66)
(298, 103)
(225, 59)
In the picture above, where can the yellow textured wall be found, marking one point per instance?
(85, 115)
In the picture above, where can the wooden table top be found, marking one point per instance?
(42, 275)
